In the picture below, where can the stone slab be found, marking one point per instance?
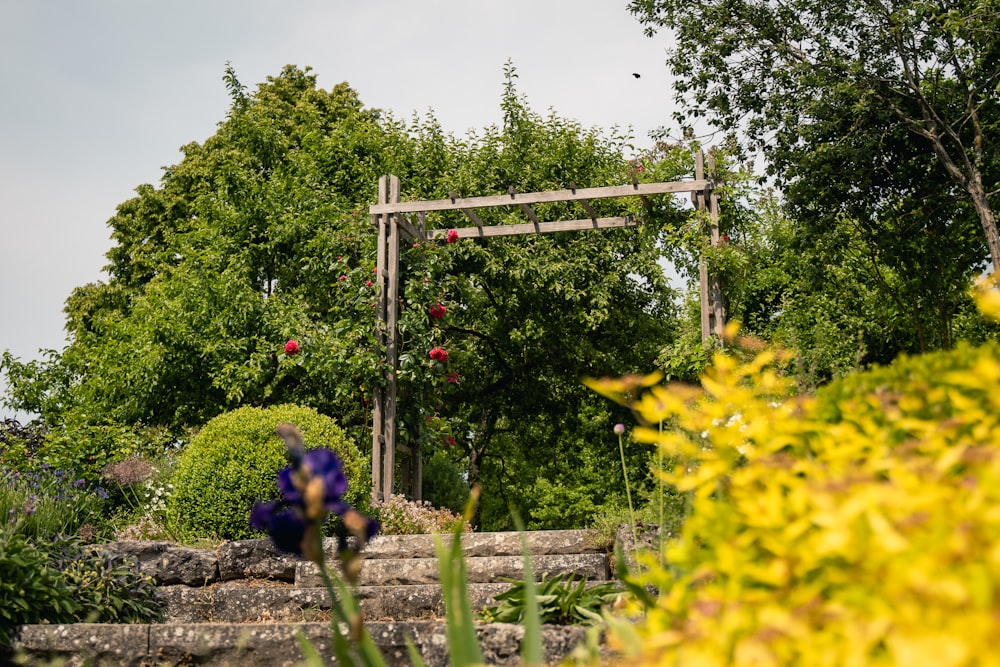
(266, 644)
(487, 569)
(540, 542)
(257, 559)
(247, 605)
(170, 564)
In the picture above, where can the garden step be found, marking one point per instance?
(267, 644)
(486, 569)
(170, 564)
(239, 604)
(539, 542)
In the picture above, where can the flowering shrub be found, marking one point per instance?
(855, 527)
(48, 501)
(399, 516)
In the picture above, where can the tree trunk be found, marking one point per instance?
(987, 219)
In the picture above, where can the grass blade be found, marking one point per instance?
(463, 643)
(531, 645)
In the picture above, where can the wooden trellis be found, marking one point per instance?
(394, 218)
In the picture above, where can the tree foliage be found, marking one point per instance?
(872, 76)
(261, 235)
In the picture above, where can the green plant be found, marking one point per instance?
(142, 489)
(233, 460)
(106, 588)
(443, 484)
(855, 527)
(562, 600)
(49, 501)
(30, 589)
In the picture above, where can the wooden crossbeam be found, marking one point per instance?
(631, 190)
(469, 213)
(532, 228)
(413, 231)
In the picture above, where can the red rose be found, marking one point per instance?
(438, 311)
(452, 377)
(450, 441)
(291, 347)
(368, 283)
(452, 235)
(343, 278)
(439, 354)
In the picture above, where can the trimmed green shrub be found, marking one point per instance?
(233, 462)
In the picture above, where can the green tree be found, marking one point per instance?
(803, 77)
(261, 235)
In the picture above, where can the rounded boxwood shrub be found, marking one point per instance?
(234, 460)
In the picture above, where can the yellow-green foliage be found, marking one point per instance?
(857, 527)
(234, 461)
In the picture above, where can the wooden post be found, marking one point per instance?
(715, 284)
(713, 313)
(698, 197)
(387, 310)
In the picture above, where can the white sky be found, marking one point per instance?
(97, 96)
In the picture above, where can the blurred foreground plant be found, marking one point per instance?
(855, 527)
(312, 487)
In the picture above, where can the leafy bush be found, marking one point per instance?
(106, 588)
(30, 589)
(233, 462)
(49, 501)
(20, 443)
(443, 485)
(562, 600)
(141, 489)
(399, 516)
(857, 527)
(88, 448)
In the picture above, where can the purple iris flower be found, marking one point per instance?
(311, 488)
(286, 525)
(325, 465)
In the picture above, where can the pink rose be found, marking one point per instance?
(291, 347)
(452, 235)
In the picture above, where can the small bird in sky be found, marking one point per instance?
(635, 74)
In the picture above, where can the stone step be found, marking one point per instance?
(169, 564)
(276, 602)
(265, 644)
(485, 569)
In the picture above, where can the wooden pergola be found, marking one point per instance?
(394, 218)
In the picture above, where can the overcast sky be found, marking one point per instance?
(97, 97)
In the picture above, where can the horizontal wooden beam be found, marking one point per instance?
(551, 196)
(532, 228)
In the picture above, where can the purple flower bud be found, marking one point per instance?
(619, 428)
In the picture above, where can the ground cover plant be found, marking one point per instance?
(853, 527)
